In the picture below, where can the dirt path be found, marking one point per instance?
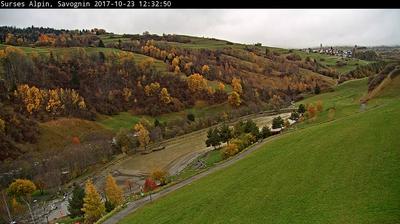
(133, 206)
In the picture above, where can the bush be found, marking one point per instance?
(277, 122)
(109, 206)
(230, 149)
(149, 185)
(191, 117)
(160, 175)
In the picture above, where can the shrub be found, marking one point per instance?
(160, 175)
(230, 150)
(191, 117)
(149, 185)
(109, 206)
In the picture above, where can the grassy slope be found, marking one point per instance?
(127, 119)
(59, 133)
(344, 171)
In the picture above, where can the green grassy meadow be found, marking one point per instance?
(344, 170)
(128, 119)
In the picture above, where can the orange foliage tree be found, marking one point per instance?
(234, 99)
(237, 86)
(197, 82)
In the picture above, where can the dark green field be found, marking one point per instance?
(342, 171)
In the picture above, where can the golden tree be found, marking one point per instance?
(197, 82)
(177, 70)
(126, 93)
(143, 135)
(54, 102)
(164, 96)
(146, 64)
(93, 207)
(31, 96)
(237, 86)
(23, 189)
(205, 69)
(234, 99)
(113, 192)
(175, 62)
(152, 89)
(221, 86)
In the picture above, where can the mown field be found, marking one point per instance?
(341, 171)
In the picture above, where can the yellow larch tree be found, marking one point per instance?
(93, 207)
(113, 192)
(164, 96)
(237, 86)
(143, 135)
(234, 99)
(221, 86)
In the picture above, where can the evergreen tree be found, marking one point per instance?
(301, 109)
(225, 133)
(265, 132)
(277, 122)
(213, 138)
(76, 202)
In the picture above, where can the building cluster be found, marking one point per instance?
(345, 53)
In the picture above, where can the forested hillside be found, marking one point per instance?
(177, 83)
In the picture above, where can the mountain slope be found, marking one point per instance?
(343, 171)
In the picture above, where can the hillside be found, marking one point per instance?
(118, 80)
(67, 95)
(343, 170)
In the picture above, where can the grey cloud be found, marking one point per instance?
(281, 28)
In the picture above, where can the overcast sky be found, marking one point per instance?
(280, 28)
